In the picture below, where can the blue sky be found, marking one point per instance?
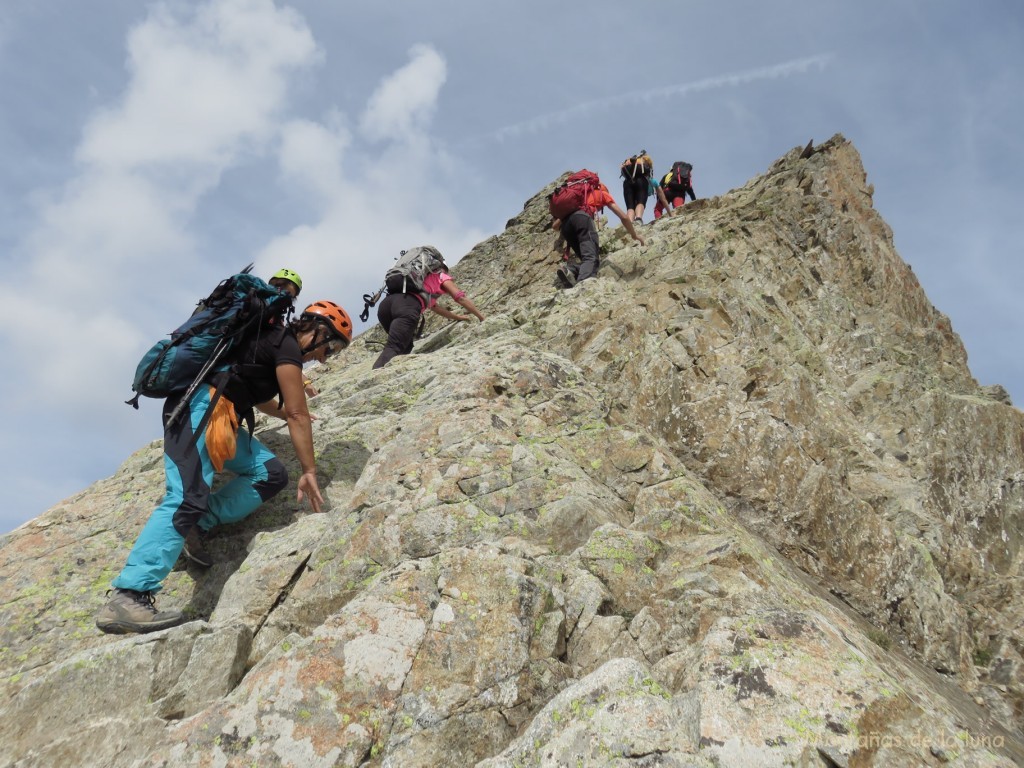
(149, 149)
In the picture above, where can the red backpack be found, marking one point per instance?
(572, 195)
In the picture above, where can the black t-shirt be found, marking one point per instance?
(254, 374)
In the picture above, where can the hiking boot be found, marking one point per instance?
(195, 547)
(565, 278)
(132, 611)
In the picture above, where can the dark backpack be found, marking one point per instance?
(679, 176)
(205, 343)
(571, 196)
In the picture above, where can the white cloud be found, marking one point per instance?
(102, 222)
(311, 155)
(206, 85)
(201, 88)
(375, 193)
(405, 101)
(73, 378)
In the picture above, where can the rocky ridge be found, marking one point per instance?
(738, 501)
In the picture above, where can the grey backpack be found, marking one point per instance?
(407, 276)
(411, 269)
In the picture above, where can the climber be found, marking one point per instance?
(676, 185)
(271, 380)
(580, 233)
(655, 188)
(414, 285)
(287, 280)
(636, 172)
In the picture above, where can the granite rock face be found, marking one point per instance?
(736, 502)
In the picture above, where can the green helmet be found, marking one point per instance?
(287, 274)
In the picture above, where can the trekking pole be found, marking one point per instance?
(183, 403)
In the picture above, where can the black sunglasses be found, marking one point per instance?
(333, 342)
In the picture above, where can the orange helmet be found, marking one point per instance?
(333, 316)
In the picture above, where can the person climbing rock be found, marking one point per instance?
(414, 284)
(267, 374)
(573, 206)
(636, 172)
(676, 185)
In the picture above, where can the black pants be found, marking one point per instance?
(635, 190)
(399, 314)
(580, 233)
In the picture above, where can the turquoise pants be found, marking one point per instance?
(187, 500)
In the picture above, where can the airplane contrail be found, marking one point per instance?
(543, 122)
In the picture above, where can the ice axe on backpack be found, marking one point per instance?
(218, 353)
(221, 381)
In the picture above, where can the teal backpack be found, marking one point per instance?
(204, 344)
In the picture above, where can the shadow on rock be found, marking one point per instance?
(339, 466)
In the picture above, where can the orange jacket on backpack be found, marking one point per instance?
(599, 198)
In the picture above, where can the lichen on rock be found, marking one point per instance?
(736, 501)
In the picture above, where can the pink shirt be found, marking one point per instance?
(432, 284)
